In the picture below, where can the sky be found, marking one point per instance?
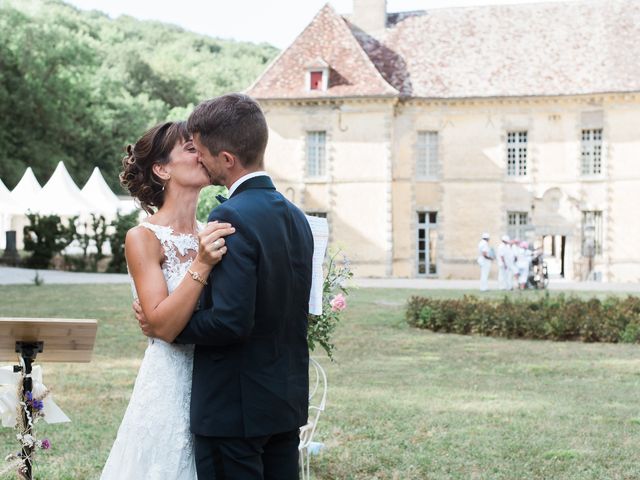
(277, 22)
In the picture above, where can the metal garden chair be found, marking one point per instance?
(317, 401)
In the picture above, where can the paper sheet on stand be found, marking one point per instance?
(320, 231)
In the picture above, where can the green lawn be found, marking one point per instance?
(403, 403)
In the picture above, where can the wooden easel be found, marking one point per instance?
(55, 340)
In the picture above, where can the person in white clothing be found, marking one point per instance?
(506, 264)
(523, 261)
(484, 260)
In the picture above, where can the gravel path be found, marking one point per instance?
(18, 276)
(21, 276)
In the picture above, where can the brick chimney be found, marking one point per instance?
(370, 15)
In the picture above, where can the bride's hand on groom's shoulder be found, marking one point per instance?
(212, 244)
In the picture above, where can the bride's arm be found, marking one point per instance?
(168, 314)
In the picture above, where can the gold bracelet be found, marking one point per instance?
(197, 277)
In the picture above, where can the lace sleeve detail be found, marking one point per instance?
(176, 249)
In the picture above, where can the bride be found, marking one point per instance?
(169, 257)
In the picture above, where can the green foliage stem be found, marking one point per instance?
(321, 327)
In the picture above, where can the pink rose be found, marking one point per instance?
(338, 303)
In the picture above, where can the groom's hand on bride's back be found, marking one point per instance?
(211, 241)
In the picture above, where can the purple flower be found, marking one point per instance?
(34, 403)
(45, 443)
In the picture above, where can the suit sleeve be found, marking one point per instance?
(233, 290)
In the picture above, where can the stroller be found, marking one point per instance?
(538, 273)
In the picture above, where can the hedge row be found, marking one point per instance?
(614, 319)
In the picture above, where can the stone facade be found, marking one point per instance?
(385, 211)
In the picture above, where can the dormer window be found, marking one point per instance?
(317, 77)
(315, 80)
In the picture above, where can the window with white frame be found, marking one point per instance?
(592, 151)
(427, 155)
(316, 154)
(517, 225)
(592, 234)
(315, 80)
(517, 154)
(427, 243)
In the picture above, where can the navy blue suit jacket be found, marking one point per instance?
(250, 372)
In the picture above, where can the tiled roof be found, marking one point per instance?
(565, 48)
(329, 38)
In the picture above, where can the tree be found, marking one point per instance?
(122, 224)
(79, 86)
(208, 201)
(46, 236)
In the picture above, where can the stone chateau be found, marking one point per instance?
(415, 132)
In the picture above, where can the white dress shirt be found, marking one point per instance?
(483, 248)
(244, 178)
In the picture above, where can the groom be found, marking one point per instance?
(250, 372)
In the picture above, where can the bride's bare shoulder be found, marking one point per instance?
(142, 241)
(140, 233)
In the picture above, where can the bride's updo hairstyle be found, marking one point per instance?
(151, 148)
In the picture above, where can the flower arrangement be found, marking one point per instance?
(29, 410)
(334, 302)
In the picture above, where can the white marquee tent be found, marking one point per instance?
(8, 208)
(22, 195)
(97, 192)
(7, 204)
(26, 190)
(60, 196)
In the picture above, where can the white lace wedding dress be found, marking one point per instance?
(154, 441)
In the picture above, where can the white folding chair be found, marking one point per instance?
(317, 401)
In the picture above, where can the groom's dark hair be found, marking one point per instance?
(233, 123)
